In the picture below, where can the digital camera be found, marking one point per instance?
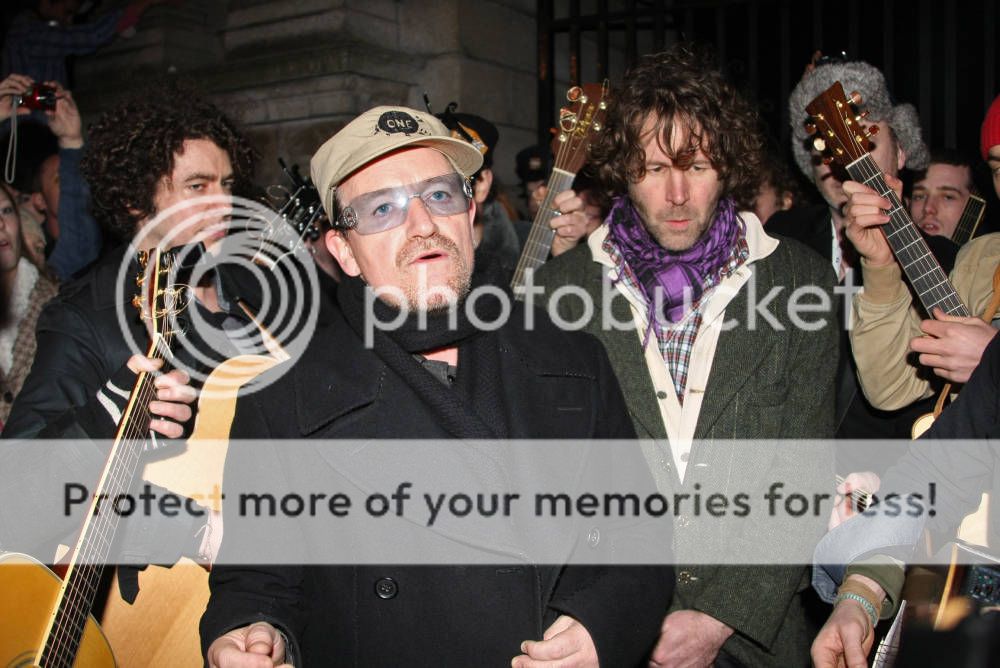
(39, 96)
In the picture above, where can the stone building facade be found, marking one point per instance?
(292, 72)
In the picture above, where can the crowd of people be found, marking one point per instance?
(682, 220)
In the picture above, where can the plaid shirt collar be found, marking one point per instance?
(676, 340)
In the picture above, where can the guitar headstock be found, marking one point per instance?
(162, 297)
(579, 125)
(835, 124)
(299, 206)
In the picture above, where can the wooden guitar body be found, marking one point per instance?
(29, 590)
(161, 628)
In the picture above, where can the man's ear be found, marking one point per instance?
(900, 155)
(336, 243)
(481, 188)
(787, 200)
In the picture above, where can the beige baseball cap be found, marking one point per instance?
(380, 131)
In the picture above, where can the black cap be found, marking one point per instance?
(474, 129)
(533, 164)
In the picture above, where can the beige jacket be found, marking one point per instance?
(885, 320)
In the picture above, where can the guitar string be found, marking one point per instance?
(941, 293)
(967, 224)
(864, 170)
(81, 588)
(857, 495)
(539, 231)
(540, 236)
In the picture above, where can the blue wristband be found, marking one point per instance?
(865, 603)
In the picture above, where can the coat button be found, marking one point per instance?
(8, 397)
(594, 537)
(685, 577)
(386, 588)
(661, 395)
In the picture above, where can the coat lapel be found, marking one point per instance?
(740, 351)
(626, 355)
(340, 377)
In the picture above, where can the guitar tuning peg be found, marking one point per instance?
(597, 127)
(863, 115)
(819, 144)
(139, 280)
(810, 128)
(873, 130)
(856, 97)
(137, 302)
(827, 160)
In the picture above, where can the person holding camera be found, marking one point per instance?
(58, 191)
(40, 39)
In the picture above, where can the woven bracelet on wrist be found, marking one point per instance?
(865, 603)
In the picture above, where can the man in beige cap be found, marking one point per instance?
(395, 186)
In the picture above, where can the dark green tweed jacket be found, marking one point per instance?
(765, 383)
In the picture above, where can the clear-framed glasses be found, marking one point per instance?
(384, 209)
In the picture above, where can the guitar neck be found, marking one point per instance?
(83, 575)
(972, 215)
(539, 242)
(922, 269)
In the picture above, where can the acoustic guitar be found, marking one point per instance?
(578, 125)
(160, 628)
(968, 222)
(842, 139)
(46, 620)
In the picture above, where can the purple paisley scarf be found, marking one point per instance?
(671, 274)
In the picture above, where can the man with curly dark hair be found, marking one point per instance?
(140, 154)
(682, 278)
(162, 167)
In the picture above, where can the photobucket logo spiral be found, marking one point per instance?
(236, 296)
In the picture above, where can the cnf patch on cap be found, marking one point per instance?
(399, 122)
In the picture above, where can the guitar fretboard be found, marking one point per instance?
(920, 266)
(539, 243)
(84, 575)
(972, 215)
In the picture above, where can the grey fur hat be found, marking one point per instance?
(867, 80)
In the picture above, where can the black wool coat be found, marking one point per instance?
(553, 384)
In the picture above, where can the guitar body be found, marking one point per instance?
(29, 591)
(161, 628)
(921, 425)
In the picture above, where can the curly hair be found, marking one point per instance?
(683, 90)
(132, 147)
